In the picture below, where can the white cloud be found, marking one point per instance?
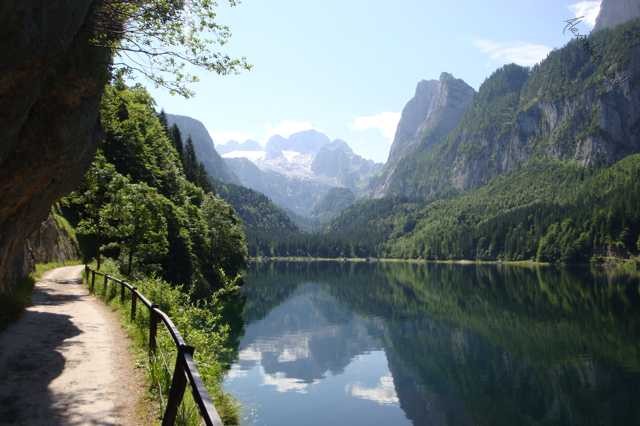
(283, 383)
(250, 354)
(236, 372)
(385, 122)
(521, 53)
(286, 128)
(588, 9)
(384, 393)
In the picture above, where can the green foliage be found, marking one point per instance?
(137, 205)
(262, 220)
(203, 324)
(336, 200)
(226, 237)
(548, 212)
(133, 218)
(157, 39)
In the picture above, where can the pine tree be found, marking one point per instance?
(176, 137)
(190, 161)
(163, 120)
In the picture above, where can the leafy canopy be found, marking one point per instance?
(160, 39)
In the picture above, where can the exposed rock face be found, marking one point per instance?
(338, 162)
(616, 12)
(574, 106)
(298, 171)
(51, 243)
(435, 110)
(332, 204)
(51, 80)
(203, 145)
(306, 142)
(295, 194)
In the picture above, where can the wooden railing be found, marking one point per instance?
(185, 370)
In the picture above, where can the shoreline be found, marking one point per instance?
(596, 261)
(302, 259)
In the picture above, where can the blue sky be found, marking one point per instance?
(348, 67)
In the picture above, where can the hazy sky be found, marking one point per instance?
(347, 67)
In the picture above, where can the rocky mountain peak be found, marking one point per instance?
(203, 146)
(616, 12)
(432, 100)
(338, 145)
(435, 110)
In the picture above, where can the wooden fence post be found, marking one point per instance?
(133, 304)
(178, 385)
(153, 329)
(93, 280)
(106, 286)
(122, 293)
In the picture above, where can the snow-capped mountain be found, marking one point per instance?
(299, 171)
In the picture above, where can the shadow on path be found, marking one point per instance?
(30, 359)
(63, 361)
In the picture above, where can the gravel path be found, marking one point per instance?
(66, 361)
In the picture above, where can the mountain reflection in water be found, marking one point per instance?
(394, 344)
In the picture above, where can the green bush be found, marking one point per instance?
(202, 324)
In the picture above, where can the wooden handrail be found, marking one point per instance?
(186, 369)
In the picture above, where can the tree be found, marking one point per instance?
(158, 39)
(163, 120)
(226, 241)
(176, 137)
(190, 161)
(134, 218)
(94, 193)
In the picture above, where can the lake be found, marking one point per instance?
(407, 344)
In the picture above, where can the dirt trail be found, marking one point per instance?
(66, 361)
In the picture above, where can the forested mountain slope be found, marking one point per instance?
(136, 204)
(581, 104)
(261, 218)
(541, 166)
(547, 211)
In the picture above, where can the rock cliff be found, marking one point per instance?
(203, 145)
(51, 242)
(433, 112)
(51, 80)
(616, 12)
(581, 104)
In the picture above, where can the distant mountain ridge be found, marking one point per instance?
(299, 171)
(231, 146)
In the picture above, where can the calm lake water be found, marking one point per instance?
(361, 344)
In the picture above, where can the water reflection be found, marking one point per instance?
(438, 345)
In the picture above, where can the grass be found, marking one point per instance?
(12, 305)
(201, 325)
